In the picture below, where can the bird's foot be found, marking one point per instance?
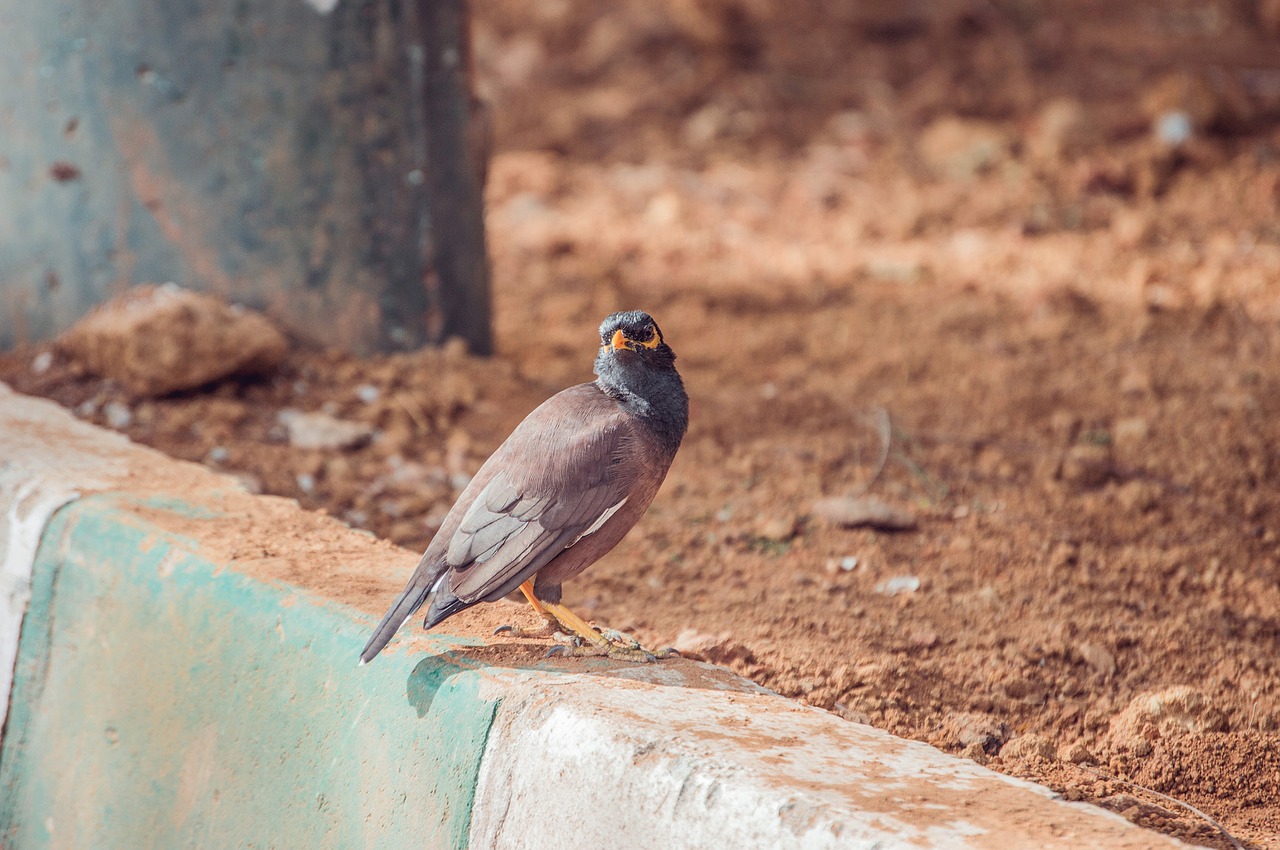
(611, 643)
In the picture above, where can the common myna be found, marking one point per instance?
(564, 488)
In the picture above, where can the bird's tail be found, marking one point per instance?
(414, 596)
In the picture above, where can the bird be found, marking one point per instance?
(559, 493)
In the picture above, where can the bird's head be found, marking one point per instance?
(636, 366)
(633, 336)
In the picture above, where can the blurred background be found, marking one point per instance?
(978, 304)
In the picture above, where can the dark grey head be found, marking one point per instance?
(636, 366)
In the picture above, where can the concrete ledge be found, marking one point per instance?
(174, 687)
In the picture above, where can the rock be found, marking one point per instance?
(1186, 104)
(1098, 657)
(963, 148)
(323, 432)
(1167, 713)
(779, 529)
(119, 416)
(1076, 753)
(1139, 496)
(1061, 128)
(1030, 747)
(980, 731)
(898, 585)
(156, 340)
(864, 512)
(1086, 465)
(718, 649)
(1131, 432)
(250, 482)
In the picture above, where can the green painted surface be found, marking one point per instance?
(161, 701)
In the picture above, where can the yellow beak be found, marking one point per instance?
(619, 340)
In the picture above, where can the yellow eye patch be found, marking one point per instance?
(621, 340)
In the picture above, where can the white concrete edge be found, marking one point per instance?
(617, 764)
(31, 503)
(33, 487)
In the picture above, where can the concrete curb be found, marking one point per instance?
(203, 700)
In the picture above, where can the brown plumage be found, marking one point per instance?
(564, 488)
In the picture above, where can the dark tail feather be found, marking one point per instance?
(409, 602)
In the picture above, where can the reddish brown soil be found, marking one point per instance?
(1076, 340)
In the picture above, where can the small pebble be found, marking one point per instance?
(42, 362)
(306, 482)
(368, 393)
(118, 415)
(898, 585)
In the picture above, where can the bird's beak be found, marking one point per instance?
(620, 340)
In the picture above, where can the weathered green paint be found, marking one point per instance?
(164, 701)
(305, 157)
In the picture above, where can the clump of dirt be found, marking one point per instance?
(156, 340)
(1039, 242)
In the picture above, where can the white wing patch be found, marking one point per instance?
(601, 520)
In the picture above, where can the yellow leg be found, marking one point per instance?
(527, 590)
(621, 647)
(579, 626)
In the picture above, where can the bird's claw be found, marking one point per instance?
(616, 637)
(566, 639)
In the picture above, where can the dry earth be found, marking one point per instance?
(951, 223)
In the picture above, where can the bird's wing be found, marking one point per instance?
(549, 494)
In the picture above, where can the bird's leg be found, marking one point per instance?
(601, 642)
(553, 625)
(587, 639)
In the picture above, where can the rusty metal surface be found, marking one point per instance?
(289, 155)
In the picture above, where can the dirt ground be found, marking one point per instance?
(951, 223)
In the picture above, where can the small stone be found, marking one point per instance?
(118, 415)
(1061, 128)
(1136, 381)
(306, 482)
(922, 639)
(368, 393)
(1138, 496)
(898, 585)
(986, 733)
(1171, 712)
(864, 512)
(323, 432)
(1086, 465)
(963, 148)
(1030, 747)
(777, 528)
(250, 482)
(1098, 657)
(1076, 753)
(218, 454)
(1131, 432)
(41, 363)
(718, 649)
